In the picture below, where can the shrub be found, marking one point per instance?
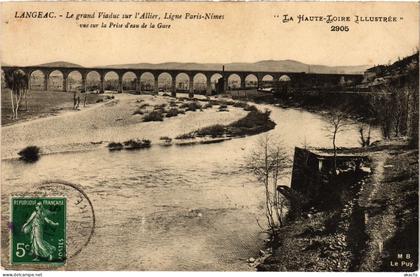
(240, 104)
(153, 116)
(214, 102)
(142, 106)
(29, 154)
(113, 146)
(255, 122)
(208, 105)
(160, 106)
(191, 106)
(223, 108)
(186, 136)
(214, 131)
(136, 144)
(165, 138)
(172, 112)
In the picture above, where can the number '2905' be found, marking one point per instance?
(340, 29)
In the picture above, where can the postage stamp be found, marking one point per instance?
(38, 230)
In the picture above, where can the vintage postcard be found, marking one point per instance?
(209, 136)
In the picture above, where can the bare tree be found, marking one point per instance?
(364, 138)
(392, 108)
(400, 107)
(336, 124)
(17, 82)
(381, 107)
(267, 162)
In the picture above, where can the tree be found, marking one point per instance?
(267, 162)
(364, 138)
(381, 107)
(395, 108)
(336, 124)
(17, 81)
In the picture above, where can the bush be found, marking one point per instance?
(137, 144)
(254, 122)
(154, 116)
(172, 112)
(113, 146)
(223, 108)
(208, 105)
(214, 131)
(186, 136)
(165, 138)
(240, 104)
(191, 106)
(29, 154)
(160, 106)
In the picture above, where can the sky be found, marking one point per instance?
(249, 32)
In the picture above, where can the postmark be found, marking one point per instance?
(38, 230)
(78, 225)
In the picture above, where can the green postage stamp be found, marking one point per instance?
(38, 230)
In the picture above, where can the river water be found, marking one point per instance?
(174, 208)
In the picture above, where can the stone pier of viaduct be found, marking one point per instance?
(297, 79)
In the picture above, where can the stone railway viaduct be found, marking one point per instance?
(297, 79)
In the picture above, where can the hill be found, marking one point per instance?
(60, 64)
(267, 65)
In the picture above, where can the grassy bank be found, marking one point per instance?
(375, 222)
(253, 123)
(42, 104)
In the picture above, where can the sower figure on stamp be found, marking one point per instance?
(40, 248)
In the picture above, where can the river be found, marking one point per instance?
(174, 208)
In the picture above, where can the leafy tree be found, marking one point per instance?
(17, 81)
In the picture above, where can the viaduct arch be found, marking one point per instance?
(147, 79)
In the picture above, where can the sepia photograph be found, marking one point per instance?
(209, 136)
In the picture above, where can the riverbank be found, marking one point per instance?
(42, 104)
(121, 119)
(365, 233)
(254, 122)
(355, 105)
